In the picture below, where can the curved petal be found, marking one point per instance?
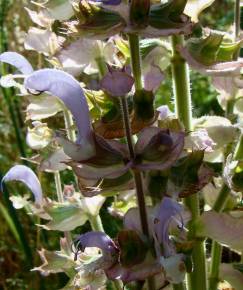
(65, 87)
(27, 176)
(17, 60)
(163, 217)
(96, 239)
(225, 228)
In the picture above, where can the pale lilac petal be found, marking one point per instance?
(153, 78)
(117, 83)
(64, 86)
(164, 112)
(225, 228)
(164, 215)
(96, 239)
(17, 60)
(27, 176)
(228, 273)
(109, 2)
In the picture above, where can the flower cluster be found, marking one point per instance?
(118, 143)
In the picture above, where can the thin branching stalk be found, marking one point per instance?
(60, 198)
(138, 178)
(182, 98)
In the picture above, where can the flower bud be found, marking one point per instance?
(139, 12)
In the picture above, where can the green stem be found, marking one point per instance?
(135, 60)
(238, 155)
(237, 19)
(96, 223)
(219, 206)
(69, 125)
(181, 84)
(101, 64)
(180, 286)
(223, 196)
(216, 253)
(60, 198)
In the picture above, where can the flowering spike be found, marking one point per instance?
(65, 87)
(27, 176)
(17, 60)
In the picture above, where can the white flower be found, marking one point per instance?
(39, 137)
(81, 55)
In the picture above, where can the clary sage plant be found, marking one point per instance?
(175, 180)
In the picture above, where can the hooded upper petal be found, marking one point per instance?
(65, 87)
(167, 210)
(17, 60)
(27, 176)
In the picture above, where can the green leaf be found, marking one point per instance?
(65, 217)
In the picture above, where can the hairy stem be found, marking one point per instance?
(135, 61)
(137, 74)
(138, 180)
(181, 84)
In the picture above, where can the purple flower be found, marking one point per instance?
(117, 83)
(27, 176)
(64, 86)
(116, 260)
(168, 211)
(109, 2)
(160, 218)
(99, 240)
(17, 60)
